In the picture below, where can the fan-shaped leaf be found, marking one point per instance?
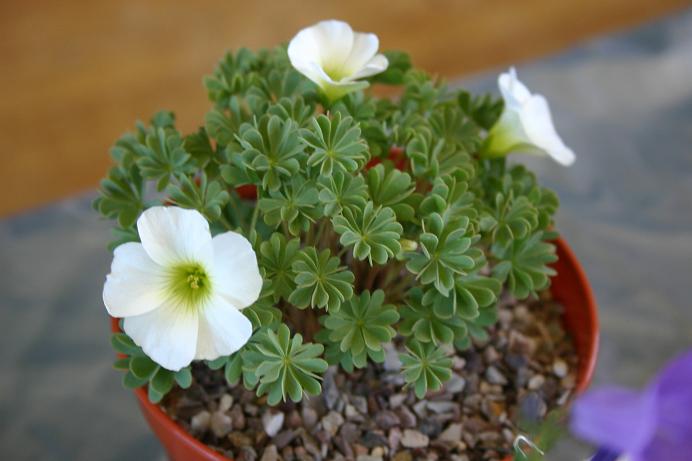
(373, 232)
(320, 280)
(335, 143)
(283, 366)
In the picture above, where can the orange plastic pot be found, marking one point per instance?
(570, 287)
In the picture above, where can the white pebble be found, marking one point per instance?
(200, 422)
(560, 368)
(272, 422)
(536, 382)
(226, 403)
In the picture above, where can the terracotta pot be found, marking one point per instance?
(570, 287)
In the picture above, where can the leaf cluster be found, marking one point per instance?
(373, 220)
(140, 370)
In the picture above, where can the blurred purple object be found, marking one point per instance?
(652, 425)
(604, 454)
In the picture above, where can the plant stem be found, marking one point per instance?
(372, 273)
(309, 236)
(342, 252)
(226, 223)
(253, 221)
(320, 232)
(232, 202)
(391, 271)
(401, 286)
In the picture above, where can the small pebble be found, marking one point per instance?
(560, 368)
(420, 408)
(452, 434)
(200, 422)
(377, 452)
(536, 382)
(272, 422)
(442, 406)
(406, 416)
(455, 384)
(373, 439)
(532, 407)
(491, 355)
(350, 432)
(414, 439)
(237, 418)
(394, 439)
(330, 391)
(360, 449)
(239, 439)
(247, 454)
(360, 403)
(391, 358)
(396, 400)
(386, 419)
(271, 453)
(309, 417)
(294, 420)
(220, 423)
(226, 403)
(458, 363)
(332, 422)
(495, 376)
(283, 438)
(508, 435)
(403, 456)
(352, 414)
(430, 427)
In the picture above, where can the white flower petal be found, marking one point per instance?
(327, 44)
(525, 124)
(315, 73)
(172, 234)
(168, 334)
(222, 330)
(363, 50)
(513, 91)
(335, 40)
(304, 53)
(377, 64)
(330, 54)
(235, 273)
(507, 135)
(135, 285)
(538, 126)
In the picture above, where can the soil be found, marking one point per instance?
(525, 369)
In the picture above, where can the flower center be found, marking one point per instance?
(189, 284)
(335, 72)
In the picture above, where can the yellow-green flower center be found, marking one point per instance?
(189, 284)
(335, 72)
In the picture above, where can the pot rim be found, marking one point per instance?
(588, 366)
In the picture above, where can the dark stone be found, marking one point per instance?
(372, 439)
(387, 419)
(532, 407)
(430, 427)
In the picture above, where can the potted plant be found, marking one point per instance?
(319, 273)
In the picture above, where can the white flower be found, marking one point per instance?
(525, 124)
(334, 57)
(180, 291)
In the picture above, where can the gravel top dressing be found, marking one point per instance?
(526, 368)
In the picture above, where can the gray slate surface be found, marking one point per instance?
(623, 103)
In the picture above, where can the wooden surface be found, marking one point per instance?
(76, 74)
